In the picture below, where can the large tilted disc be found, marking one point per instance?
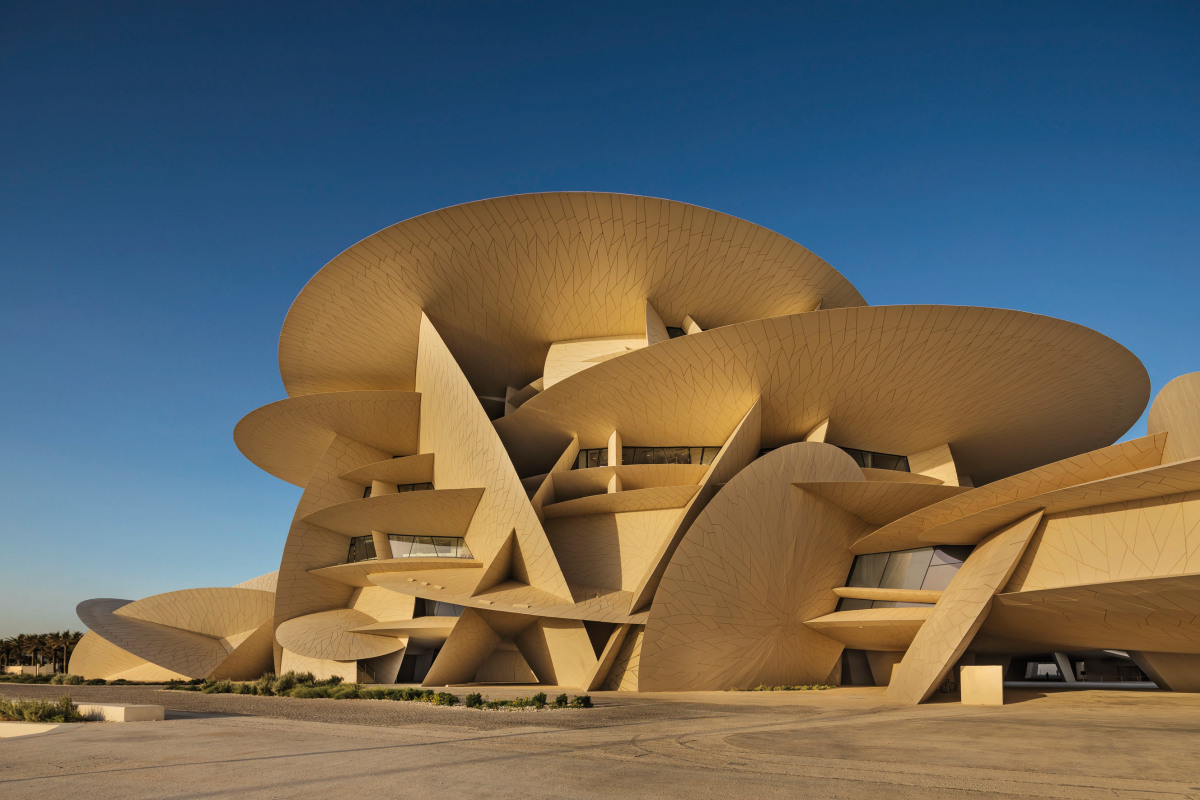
(1007, 390)
(760, 559)
(503, 278)
(1176, 410)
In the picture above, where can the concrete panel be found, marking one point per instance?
(981, 685)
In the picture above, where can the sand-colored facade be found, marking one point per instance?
(614, 442)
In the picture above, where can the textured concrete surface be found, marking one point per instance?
(846, 743)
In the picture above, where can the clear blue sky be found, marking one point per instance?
(173, 173)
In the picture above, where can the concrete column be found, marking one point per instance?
(1065, 667)
(614, 449)
(383, 547)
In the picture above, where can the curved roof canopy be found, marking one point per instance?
(1007, 390)
(502, 279)
(288, 437)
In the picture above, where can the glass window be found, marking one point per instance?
(366, 492)
(885, 461)
(859, 456)
(669, 455)
(362, 548)
(939, 576)
(956, 554)
(440, 609)
(596, 457)
(906, 569)
(404, 546)
(675, 333)
(423, 547)
(868, 570)
(868, 459)
(852, 604)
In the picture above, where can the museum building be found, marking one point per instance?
(603, 441)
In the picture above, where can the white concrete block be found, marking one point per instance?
(982, 685)
(12, 729)
(120, 712)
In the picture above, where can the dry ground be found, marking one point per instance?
(846, 743)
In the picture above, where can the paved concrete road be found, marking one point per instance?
(847, 743)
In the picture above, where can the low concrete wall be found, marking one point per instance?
(9, 730)
(119, 712)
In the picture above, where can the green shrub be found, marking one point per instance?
(23, 678)
(95, 682)
(304, 685)
(265, 685)
(61, 710)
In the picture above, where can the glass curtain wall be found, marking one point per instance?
(926, 568)
(598, 457)
(428, 547)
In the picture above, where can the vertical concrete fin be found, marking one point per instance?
(739, 450)
(656, 330)
(936, 462)
(467, 647)
(469, 453)
(960, 611)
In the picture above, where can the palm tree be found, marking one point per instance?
(67, 641)
(53, 641)
(40, 649)
(8, 651)
(23, 644)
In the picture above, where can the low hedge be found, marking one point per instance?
(61, 710)
(64, 679)
(305, 685)
(807, 687)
